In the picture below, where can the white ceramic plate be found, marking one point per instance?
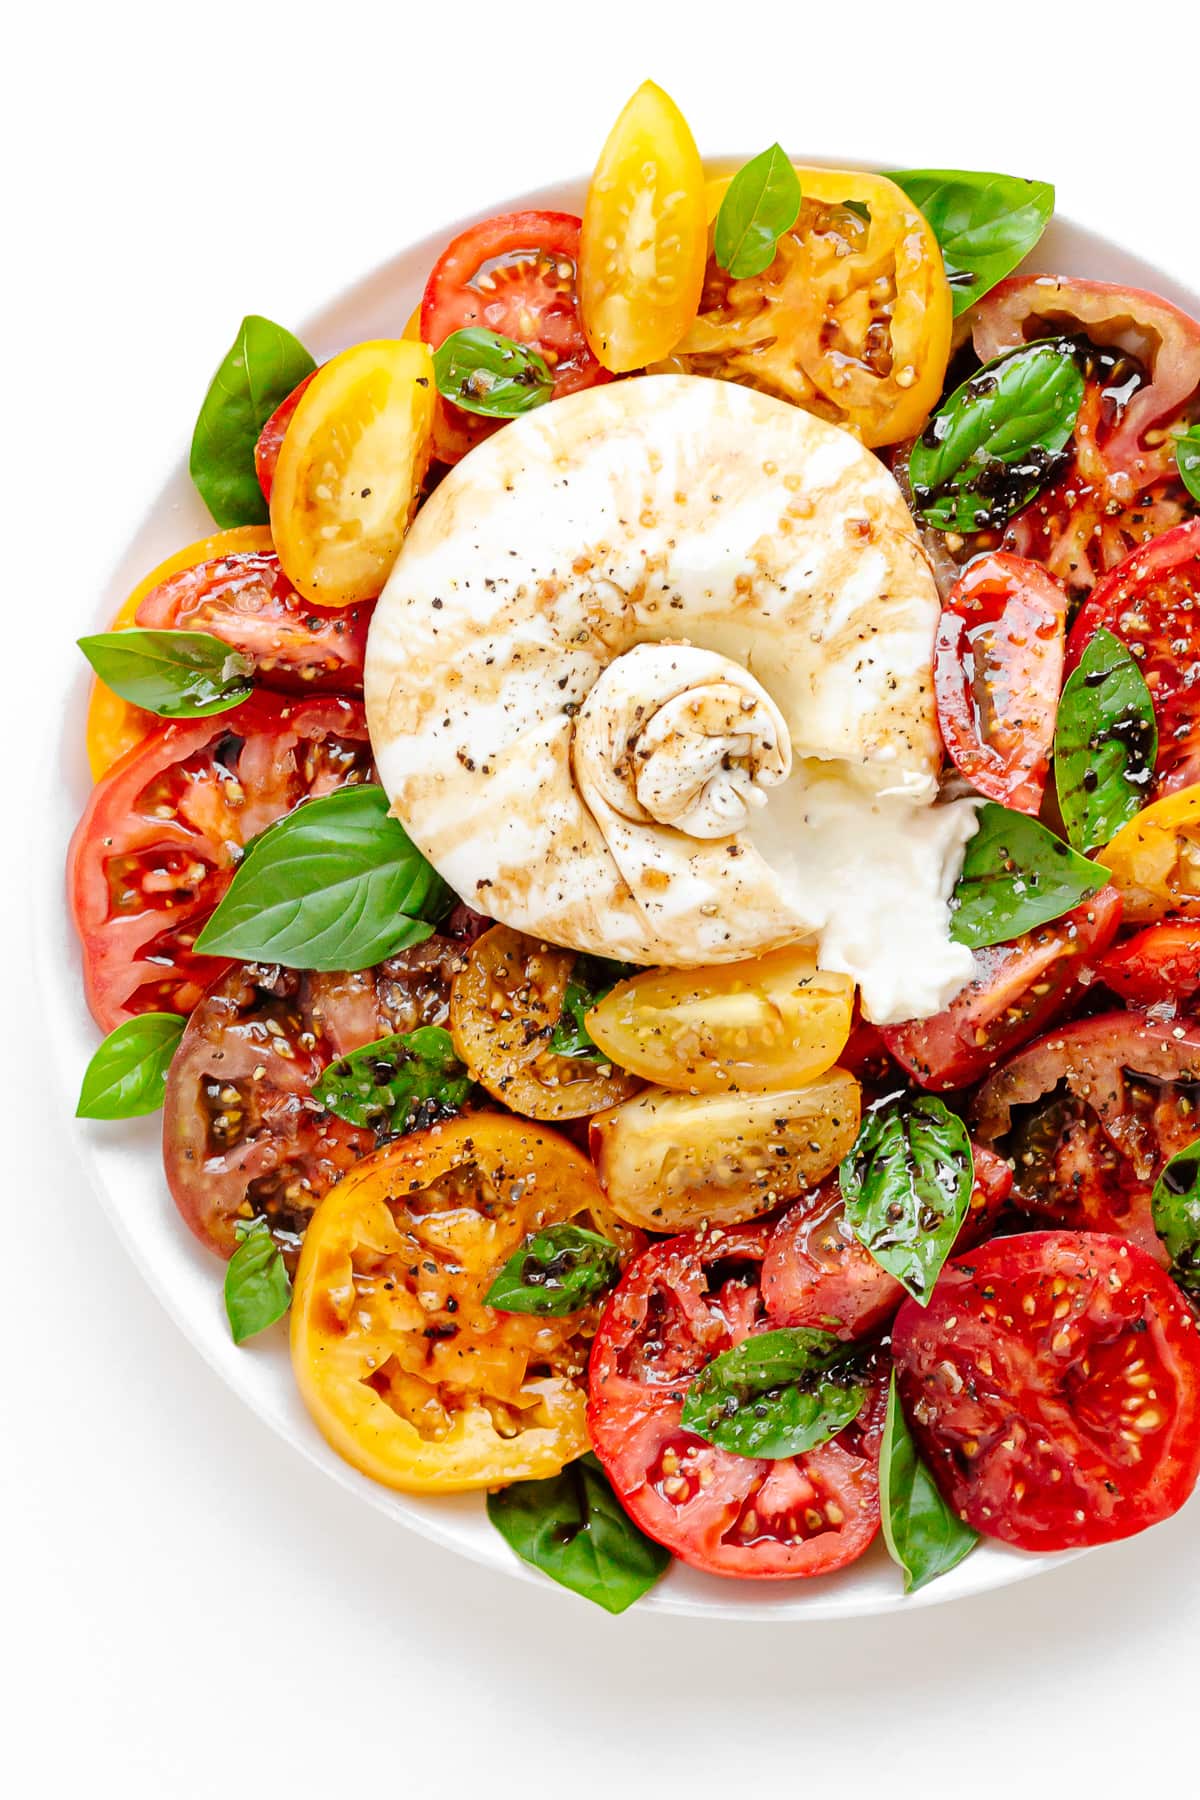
(123, 1160)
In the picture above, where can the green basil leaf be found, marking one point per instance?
(405, 1082)
(257, 1288)
(1175, 1204)
(906, 1185)
(128, 1073)
(176, 674)
(1016, 875)
(555, 1272)
(1187, 459)
(336, 884)
(263, 365)
(591, 978)
(778, 1394)
(572, 1527)
(924, 1535)
(759, 205)
(483, 372)
(996, 442)
(1105, 743)
(984, 222)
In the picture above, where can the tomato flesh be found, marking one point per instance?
(270, 438)
(1158, 967)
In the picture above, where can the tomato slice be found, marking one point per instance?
(644, 238)
(816, 1273)
(514, 274)
(349, 471)
(773, 1022)
(852, 320)
(1053, 1386)
(407, 1372)
(1016, 990)
(678, 1305)
(1158, 967)
(997, 672)
(1155, 859)
(270, 438)
(162, 833)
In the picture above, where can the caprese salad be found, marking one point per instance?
(652, 864)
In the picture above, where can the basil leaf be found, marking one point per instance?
(483, 372)
(572, 1527)
(263, 365)
(257, 1288)
(1016, 875)
(336, 884)
(984, 222)
(759, 205)
(924, 1535)
(1105, 743)
(591, 978)
(995, 443)
(177, 674)
(405, 1082)
(778, 1394)
(556, 1271)
(1175, 1205)
(1187, 459)
(128, 1073)
(906, 1185)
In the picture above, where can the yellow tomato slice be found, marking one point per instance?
(852, 320)
(1155, 859)
(644, 240)
(407, 1372)
(775, 1021)
(350, 470)
(670, 1161)
(113, 725)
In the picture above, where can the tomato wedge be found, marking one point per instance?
(1053, 1386)
(677, 1306)
(997, 673)
(1155, 859)
(1158, 967)
(270, 438)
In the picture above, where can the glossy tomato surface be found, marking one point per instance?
(1053, 1386)
(270, 438)
(1159, 966)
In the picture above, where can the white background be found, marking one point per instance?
(189, 1609)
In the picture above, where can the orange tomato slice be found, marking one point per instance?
(1155, 859)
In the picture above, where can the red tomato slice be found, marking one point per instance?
(997, 673)
(1159, 966)
(678, 1305)
(162, 832)
(1053, 1387)
(266, 450)
(1151, 602)
(817, 1273)
(514, 274)
(1016, 990)
(248, 602)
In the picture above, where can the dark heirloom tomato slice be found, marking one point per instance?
(248, 602)
(266, 450)
(163, 831)
(1053, 1386)
(997, 673)
(817, 1273)
(1152, 603)
(514, 274)
(1016, 990)
(243, 1137)
(678, 1305)
(1090, 1114)
(1159, 966)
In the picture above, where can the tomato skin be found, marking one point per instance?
(1017, 989)
(1155, 859)
(1159, 966)
(677, 1306)
(270, 438)
(997, 672)
(1035, 1363)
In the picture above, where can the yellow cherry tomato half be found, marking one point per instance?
(775, 1021)
(670, 1161)
(350, 470)
(851, 321)
(1155, 859)
(405, 1369)
(644, 240)
(113, 725)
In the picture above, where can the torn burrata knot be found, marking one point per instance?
(651, 678)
